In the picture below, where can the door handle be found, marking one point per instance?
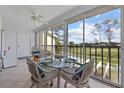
(18, 45)
(5, 53)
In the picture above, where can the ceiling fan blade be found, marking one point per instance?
(42, 22)
(33, 18)
(39, 21)
(39, 16)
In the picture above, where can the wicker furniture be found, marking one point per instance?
(78, 76)
(39, 76)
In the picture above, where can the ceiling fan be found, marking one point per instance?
(37, 17)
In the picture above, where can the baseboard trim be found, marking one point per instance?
(11, 67)
(20, 58)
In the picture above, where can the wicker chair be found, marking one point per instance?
(78, 77)
(40, 78)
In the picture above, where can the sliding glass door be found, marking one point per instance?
(104, 44)
(58, 39)
(75, 40)
(98, 38)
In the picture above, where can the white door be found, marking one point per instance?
(9, 49)
(23, 44)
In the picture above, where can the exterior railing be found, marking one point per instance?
(106, 60)
(106, 64)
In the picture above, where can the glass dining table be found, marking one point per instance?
(56, 64)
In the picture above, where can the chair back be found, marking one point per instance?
(87, 71)
(33, 69)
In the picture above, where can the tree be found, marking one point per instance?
(58, 46)
(98, 27)
(109, 27)
(71, 43)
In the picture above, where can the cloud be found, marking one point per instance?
(76, 35)
(89, 36)
(117, 35)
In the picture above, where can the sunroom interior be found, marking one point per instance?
(79, 32)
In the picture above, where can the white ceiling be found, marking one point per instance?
(18, 16)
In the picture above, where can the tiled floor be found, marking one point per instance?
(19, 77)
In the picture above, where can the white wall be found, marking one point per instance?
(8, 43)
(0, 36)
(37, 39)
(32, 39)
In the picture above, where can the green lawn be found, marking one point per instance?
(114, 54)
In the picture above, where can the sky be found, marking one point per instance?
(75, 30)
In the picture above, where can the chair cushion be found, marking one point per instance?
(68, 77)
(40, 72)
(80, 69)
(36, 52)
(70, 60)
